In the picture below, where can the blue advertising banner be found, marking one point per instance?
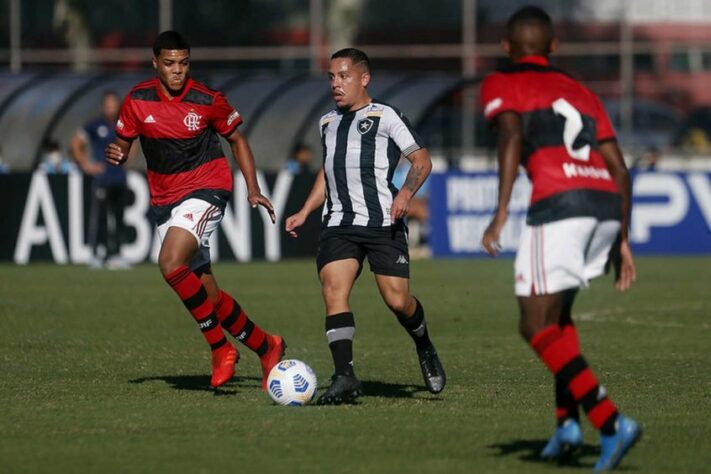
(671, 212)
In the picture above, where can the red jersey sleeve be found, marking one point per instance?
(127, 124)
(498, 95)
(224, 118)
(604, 129)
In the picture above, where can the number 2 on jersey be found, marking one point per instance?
(573, 126)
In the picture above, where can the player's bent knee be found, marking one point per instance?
(398, 304)
(168, 264)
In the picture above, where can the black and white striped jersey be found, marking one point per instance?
(361, 150)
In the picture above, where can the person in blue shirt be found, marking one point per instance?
(108, 189)
(299, 158)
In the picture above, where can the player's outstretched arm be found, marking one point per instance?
(625, 269)
(315, 200)
(245, 160)
(418, 173)
(510, 138)
(116, 153)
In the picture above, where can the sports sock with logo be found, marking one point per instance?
(560, 353)
(340, 330)
(234, 319)
(565, 405)
(416, 326)
(194, 296)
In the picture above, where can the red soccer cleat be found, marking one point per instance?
(277, 348)
(223, 364)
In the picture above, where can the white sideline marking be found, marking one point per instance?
(618, 316)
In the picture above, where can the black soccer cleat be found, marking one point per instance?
(432, 370)
(343, 389)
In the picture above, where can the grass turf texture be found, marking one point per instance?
(106, 371)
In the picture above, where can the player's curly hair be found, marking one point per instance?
(170, 40)
(358, 57)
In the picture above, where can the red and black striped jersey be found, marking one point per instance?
(563, 125)
(179, 138)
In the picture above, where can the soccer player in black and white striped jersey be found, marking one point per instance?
(363, 217)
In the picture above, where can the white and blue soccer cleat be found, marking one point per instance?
(614, 447)
(567, 438)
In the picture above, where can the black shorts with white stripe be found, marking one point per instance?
(385, 247)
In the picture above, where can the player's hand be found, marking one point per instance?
(490, 239)
(257, 199)
(400, 207)
(114, 155)
(294, 222)
(625, 270)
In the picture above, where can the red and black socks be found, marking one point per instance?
(565, 405)
(236, 322)
(340, 330)
(560, 352)
(194, 296)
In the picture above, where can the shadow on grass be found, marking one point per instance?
(376, 388)
(529, 450)
(200, 383)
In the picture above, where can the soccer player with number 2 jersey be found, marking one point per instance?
(190, 181)
(576, 224)
(577, 221)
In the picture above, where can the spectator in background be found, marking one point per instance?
(648, 161)
(299, 158)
(108, 189)
(53, 160)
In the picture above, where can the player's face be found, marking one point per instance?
(172, 66)
(348, 84)
(111, 106)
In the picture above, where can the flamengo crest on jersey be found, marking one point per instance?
(361, 150)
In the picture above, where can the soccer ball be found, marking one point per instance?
(291, 382)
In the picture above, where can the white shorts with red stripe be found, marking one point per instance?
(563, 254)
(201, 219)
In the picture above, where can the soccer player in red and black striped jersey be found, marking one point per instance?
(578, 217)
(190, 181)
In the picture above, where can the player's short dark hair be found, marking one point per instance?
(356, 55)
(530, 15)
(170, 40)
(109, 93)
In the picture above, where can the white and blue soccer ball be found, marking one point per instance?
(291, 382)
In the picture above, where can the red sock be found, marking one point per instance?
(234, 319)
(560, 352)
(194, 296)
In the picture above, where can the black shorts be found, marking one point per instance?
(385, 247)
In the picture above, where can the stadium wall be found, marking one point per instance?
(47, 218)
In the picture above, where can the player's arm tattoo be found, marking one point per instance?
(412, 181)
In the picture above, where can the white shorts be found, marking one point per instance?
(201, 219)
(563, 254)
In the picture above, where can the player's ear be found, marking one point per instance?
(506, 46)
(553, 46)
(365, 79)
(155, 63)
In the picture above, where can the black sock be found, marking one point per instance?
(565, 405)
(340, 329)
(416, 326)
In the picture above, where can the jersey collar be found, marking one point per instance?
(540, 60)
(177, 98)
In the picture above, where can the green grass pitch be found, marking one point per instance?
(107, 372)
